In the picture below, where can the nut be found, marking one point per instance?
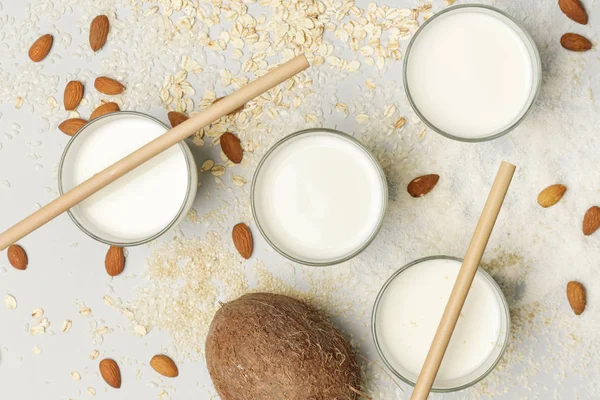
(591, 220)
(176, 118)
(17, 257)
(574, 10)
(105, 108)
(231, 146)
(109, 369)
(114, 261)
(551, 195)
(108, 86)
(422, 185)
(575, 42)
(576, 297)
(73, 95)
(242, 239)
(72, 126)
(164, 365)
(40, 48)
(99, 32)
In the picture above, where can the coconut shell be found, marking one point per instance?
(266, 346)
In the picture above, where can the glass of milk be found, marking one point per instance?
(408, 310)
(319, 197)
(144, 203)
(472, 73)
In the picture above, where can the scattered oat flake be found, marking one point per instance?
(37, 330)
(10, 301)
(66, 325)
(18, 102)
(85, 311)
(94, 354)
(400, 123)
(218, 170)
(239, 180)
(75, 376)
(108, 301)
(102, 330)
(140, 330)
(389, 110)
(361, 118)
(207, 165)
(37, 313)
(91, 391)
(36, 350)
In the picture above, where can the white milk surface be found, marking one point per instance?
(319, 197)
(470, 74)
(141, 203)
(410, 311)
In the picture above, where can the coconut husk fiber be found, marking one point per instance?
(273, 347)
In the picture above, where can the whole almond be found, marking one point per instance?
(111, 373)
(73, 95)
(17, 257)
(242, 239)
(575, 42)
(422, 185)
(108, 86)
(576, 296)
(231, 146)
(574, 10)
(99, 32)
(164, 365)
(591, 220)
(175, 118)
(105, 108)
(40, 48)
(72, 126)
(551, 195)
(114, 260)
(234, 111)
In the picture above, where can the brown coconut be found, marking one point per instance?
(269, 346)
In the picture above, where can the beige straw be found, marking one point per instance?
(463, 281)
(150, 150)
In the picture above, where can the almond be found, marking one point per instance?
(422, 185)
(164, 365)
(231, 146)
(73, 95)
(105, 108)
(576, 297)
(242, 239)
(110, 371)
(108, 86)
(17, 257)
(234, 111)
(99, 32)
(114, 261)
(575, 42)
(40, 48)
(72, 126)
(574, 10)
(591, 220)
(551, 195)
(175, 118)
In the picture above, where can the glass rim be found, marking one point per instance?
(184, 148)
(536, 62)
(367, 242)
(487, 277)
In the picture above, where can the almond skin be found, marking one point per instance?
(164, 365)
(40, 48)
(576, 296)
(234, 111)
(114, 261)
(575, 42)
(422, 185)
(111, 373)
(591, 220)
(231, 146)
(105, 108)
(72, 126)
(17, 257)
(551, 195)
(574, 10)
(108, 86)
(176, 118)
(242, 239)
(99, 32)
(73, 95)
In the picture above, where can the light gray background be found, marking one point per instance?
(533, 252)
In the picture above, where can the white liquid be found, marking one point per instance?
(410, 311)
(141, 203)
(470, 74)
(319, 197)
